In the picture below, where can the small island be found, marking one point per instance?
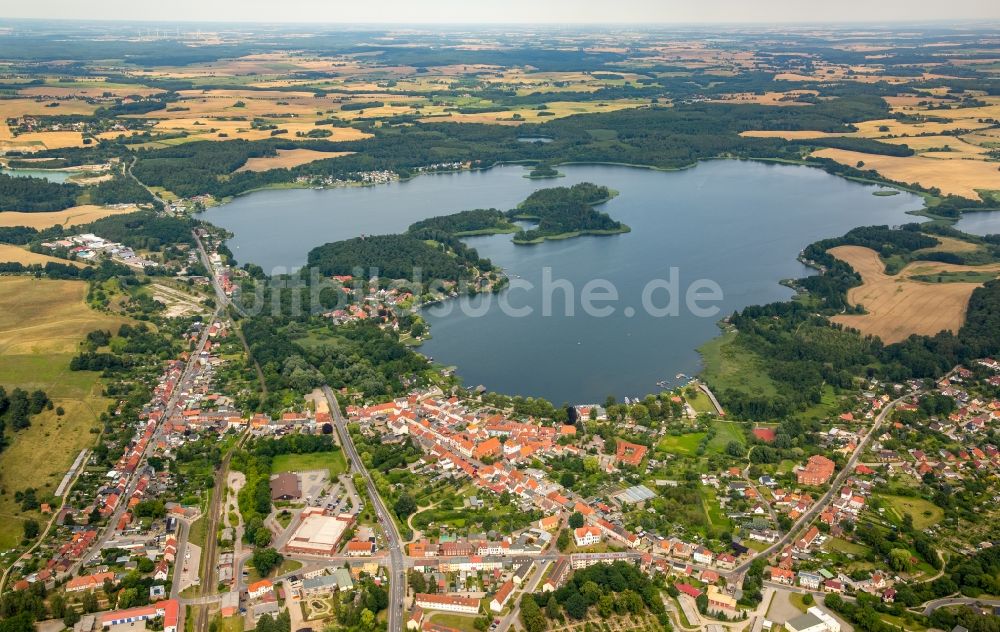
(543, 172)
(565, 212)
(488, 221)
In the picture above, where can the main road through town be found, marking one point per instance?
(397, 573)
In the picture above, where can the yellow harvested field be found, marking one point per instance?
(15, 108)
(968, 115)
(790, 134)
(910, 101)
(42, 316)
(958, 147)
(873, 129)
(958, 177)
(899, 306)
(950, 244)
(93, 91)
(42, 323)
(203, 130)
(72, 216)
(558, 109)
(16, 254)
(288, 158)
(767, 98)
(36, 141)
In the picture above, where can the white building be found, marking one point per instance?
(586, 536)
(448, 603)
(814, 620)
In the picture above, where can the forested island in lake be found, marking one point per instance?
(565, 212)
(559, 213)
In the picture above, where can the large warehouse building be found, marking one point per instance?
(319, 534)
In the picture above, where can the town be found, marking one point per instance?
(289, 338)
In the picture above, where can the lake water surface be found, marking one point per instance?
(47, 174)
(737, 224)
(980, 223)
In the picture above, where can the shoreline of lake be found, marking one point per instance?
(716, 221)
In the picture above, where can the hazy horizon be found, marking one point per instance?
(512, 12)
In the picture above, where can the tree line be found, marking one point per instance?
(17, 408)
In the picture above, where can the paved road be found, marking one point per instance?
(530, 586)
(827, 498)
(183, 531)
(183, 385)
(931, 606)
(397, 580)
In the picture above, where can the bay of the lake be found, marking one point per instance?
(980, 223)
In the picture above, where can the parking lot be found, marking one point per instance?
(337, 496)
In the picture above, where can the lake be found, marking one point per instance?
(980, 223)
(47, 174)
(737, 224)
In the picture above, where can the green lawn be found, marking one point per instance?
(332, 461)
(729, 365)
(726, 431)
(902, 623)
(700, 402)
(685, 444)
(825, 408)
(717, 519)
(457, 621)
(198, 532)
(231, 624)
(840, 545)
(286, 567)
(798, 600)
(924, 513)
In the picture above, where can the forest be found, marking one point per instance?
(32, 195)
(121, 190)
(466, 223)
(565, 210)
(360, 355)
(143, 229)
(395, 257)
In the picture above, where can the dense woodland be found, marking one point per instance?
(466, 223)
(32, 195)
(563, 210)
(143, 229)
(406, 256)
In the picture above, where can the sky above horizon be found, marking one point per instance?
(509, 11)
